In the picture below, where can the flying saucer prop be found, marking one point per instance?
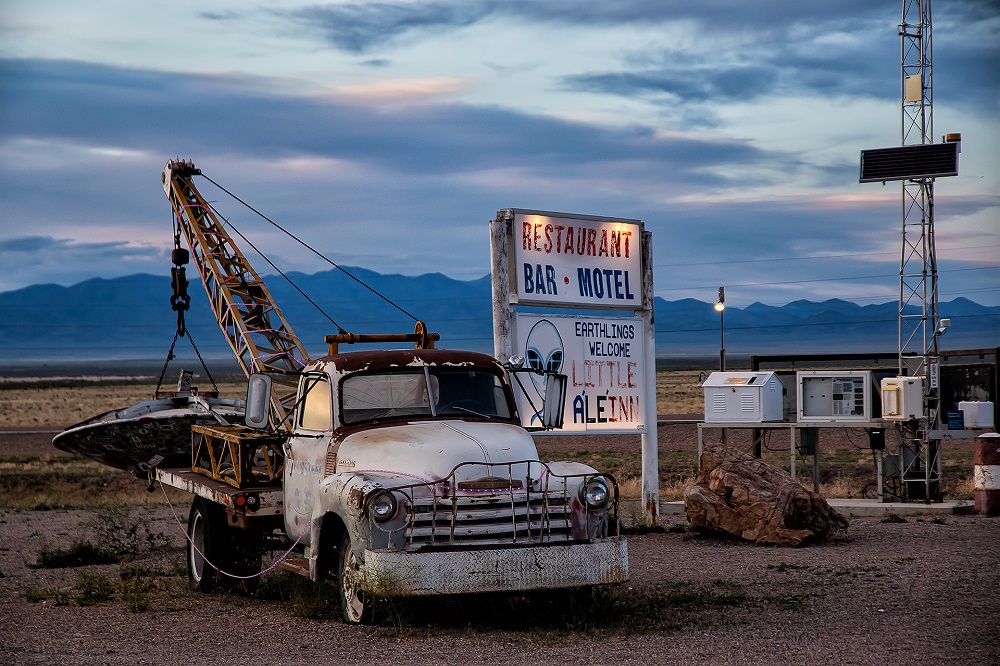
(147, 434)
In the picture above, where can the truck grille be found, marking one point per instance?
(494, 519)
(496, 504)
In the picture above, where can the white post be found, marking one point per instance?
(650, 453)
(503, 346)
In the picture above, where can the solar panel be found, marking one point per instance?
(930, 160)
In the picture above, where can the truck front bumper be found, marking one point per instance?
(402, 573)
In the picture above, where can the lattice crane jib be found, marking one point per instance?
(253, 324)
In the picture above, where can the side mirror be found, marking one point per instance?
(515, 363)
(555, 401)
(258, 401)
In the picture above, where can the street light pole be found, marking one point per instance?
(720, 307)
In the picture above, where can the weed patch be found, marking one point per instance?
(135, 589)
(80, 554)
(93, 587)
(114, 534)
(35, 595)
(317, 601)
(787, 566)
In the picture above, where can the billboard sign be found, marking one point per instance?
(566, 260)
(603, 358)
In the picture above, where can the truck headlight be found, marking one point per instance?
(383, 506)
(596, 493)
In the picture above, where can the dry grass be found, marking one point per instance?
(679, 392)
(50, 482)
(42, 404)
(671, 490)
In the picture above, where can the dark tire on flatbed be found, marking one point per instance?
(220, 556)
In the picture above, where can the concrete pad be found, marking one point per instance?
(858, 508)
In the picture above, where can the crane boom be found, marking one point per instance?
(253, 324)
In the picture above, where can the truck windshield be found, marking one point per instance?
(423, 392)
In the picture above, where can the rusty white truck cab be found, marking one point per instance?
(407, 473)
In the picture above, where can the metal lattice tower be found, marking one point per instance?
(918, 293)
(918, 288)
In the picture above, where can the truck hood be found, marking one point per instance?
(426, 451)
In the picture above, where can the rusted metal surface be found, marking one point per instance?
(269, 500)
(357, 361)
(237, 455)
(399, 573)
(146, 434)
(986, 474)
(421, 338)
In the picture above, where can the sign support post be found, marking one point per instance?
(650, 452)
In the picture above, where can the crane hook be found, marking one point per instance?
(180, 300)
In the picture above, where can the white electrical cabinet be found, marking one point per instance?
(747, 397)
(977, 414)
(902, 398)
(832, 396)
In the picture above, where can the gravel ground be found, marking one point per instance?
(919, 592)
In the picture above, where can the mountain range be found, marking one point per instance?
(129, 318)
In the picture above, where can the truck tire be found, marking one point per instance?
(353, 608)
(212, 543)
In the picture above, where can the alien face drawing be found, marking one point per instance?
(543, 350)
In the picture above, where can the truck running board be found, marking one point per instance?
(299, 565)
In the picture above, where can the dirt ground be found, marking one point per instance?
(924, 590)
(921, 592)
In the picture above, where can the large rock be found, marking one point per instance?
(754, 500)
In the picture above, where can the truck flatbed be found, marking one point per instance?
(257, 501)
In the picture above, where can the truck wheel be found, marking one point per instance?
(352, 600)
(214, 543)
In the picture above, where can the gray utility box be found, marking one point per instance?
(832, 396)
(747, 397)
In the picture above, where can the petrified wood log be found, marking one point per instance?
(746, 497)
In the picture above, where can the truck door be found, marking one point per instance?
(306, 452)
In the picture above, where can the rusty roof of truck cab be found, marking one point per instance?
(382, 359)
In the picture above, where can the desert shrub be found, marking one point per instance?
(135, 588)
(93, 587)
(114, 534)
(80, 554)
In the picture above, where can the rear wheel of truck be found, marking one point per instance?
(352, 598)
(216, 549)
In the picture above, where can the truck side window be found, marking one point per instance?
(317, 405)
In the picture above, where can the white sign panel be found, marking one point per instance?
(603, 360)
(589, 261)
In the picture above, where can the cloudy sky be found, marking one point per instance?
(387, 134)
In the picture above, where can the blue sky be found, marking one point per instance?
(387, 134)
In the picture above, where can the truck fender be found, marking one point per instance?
(340, 505)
